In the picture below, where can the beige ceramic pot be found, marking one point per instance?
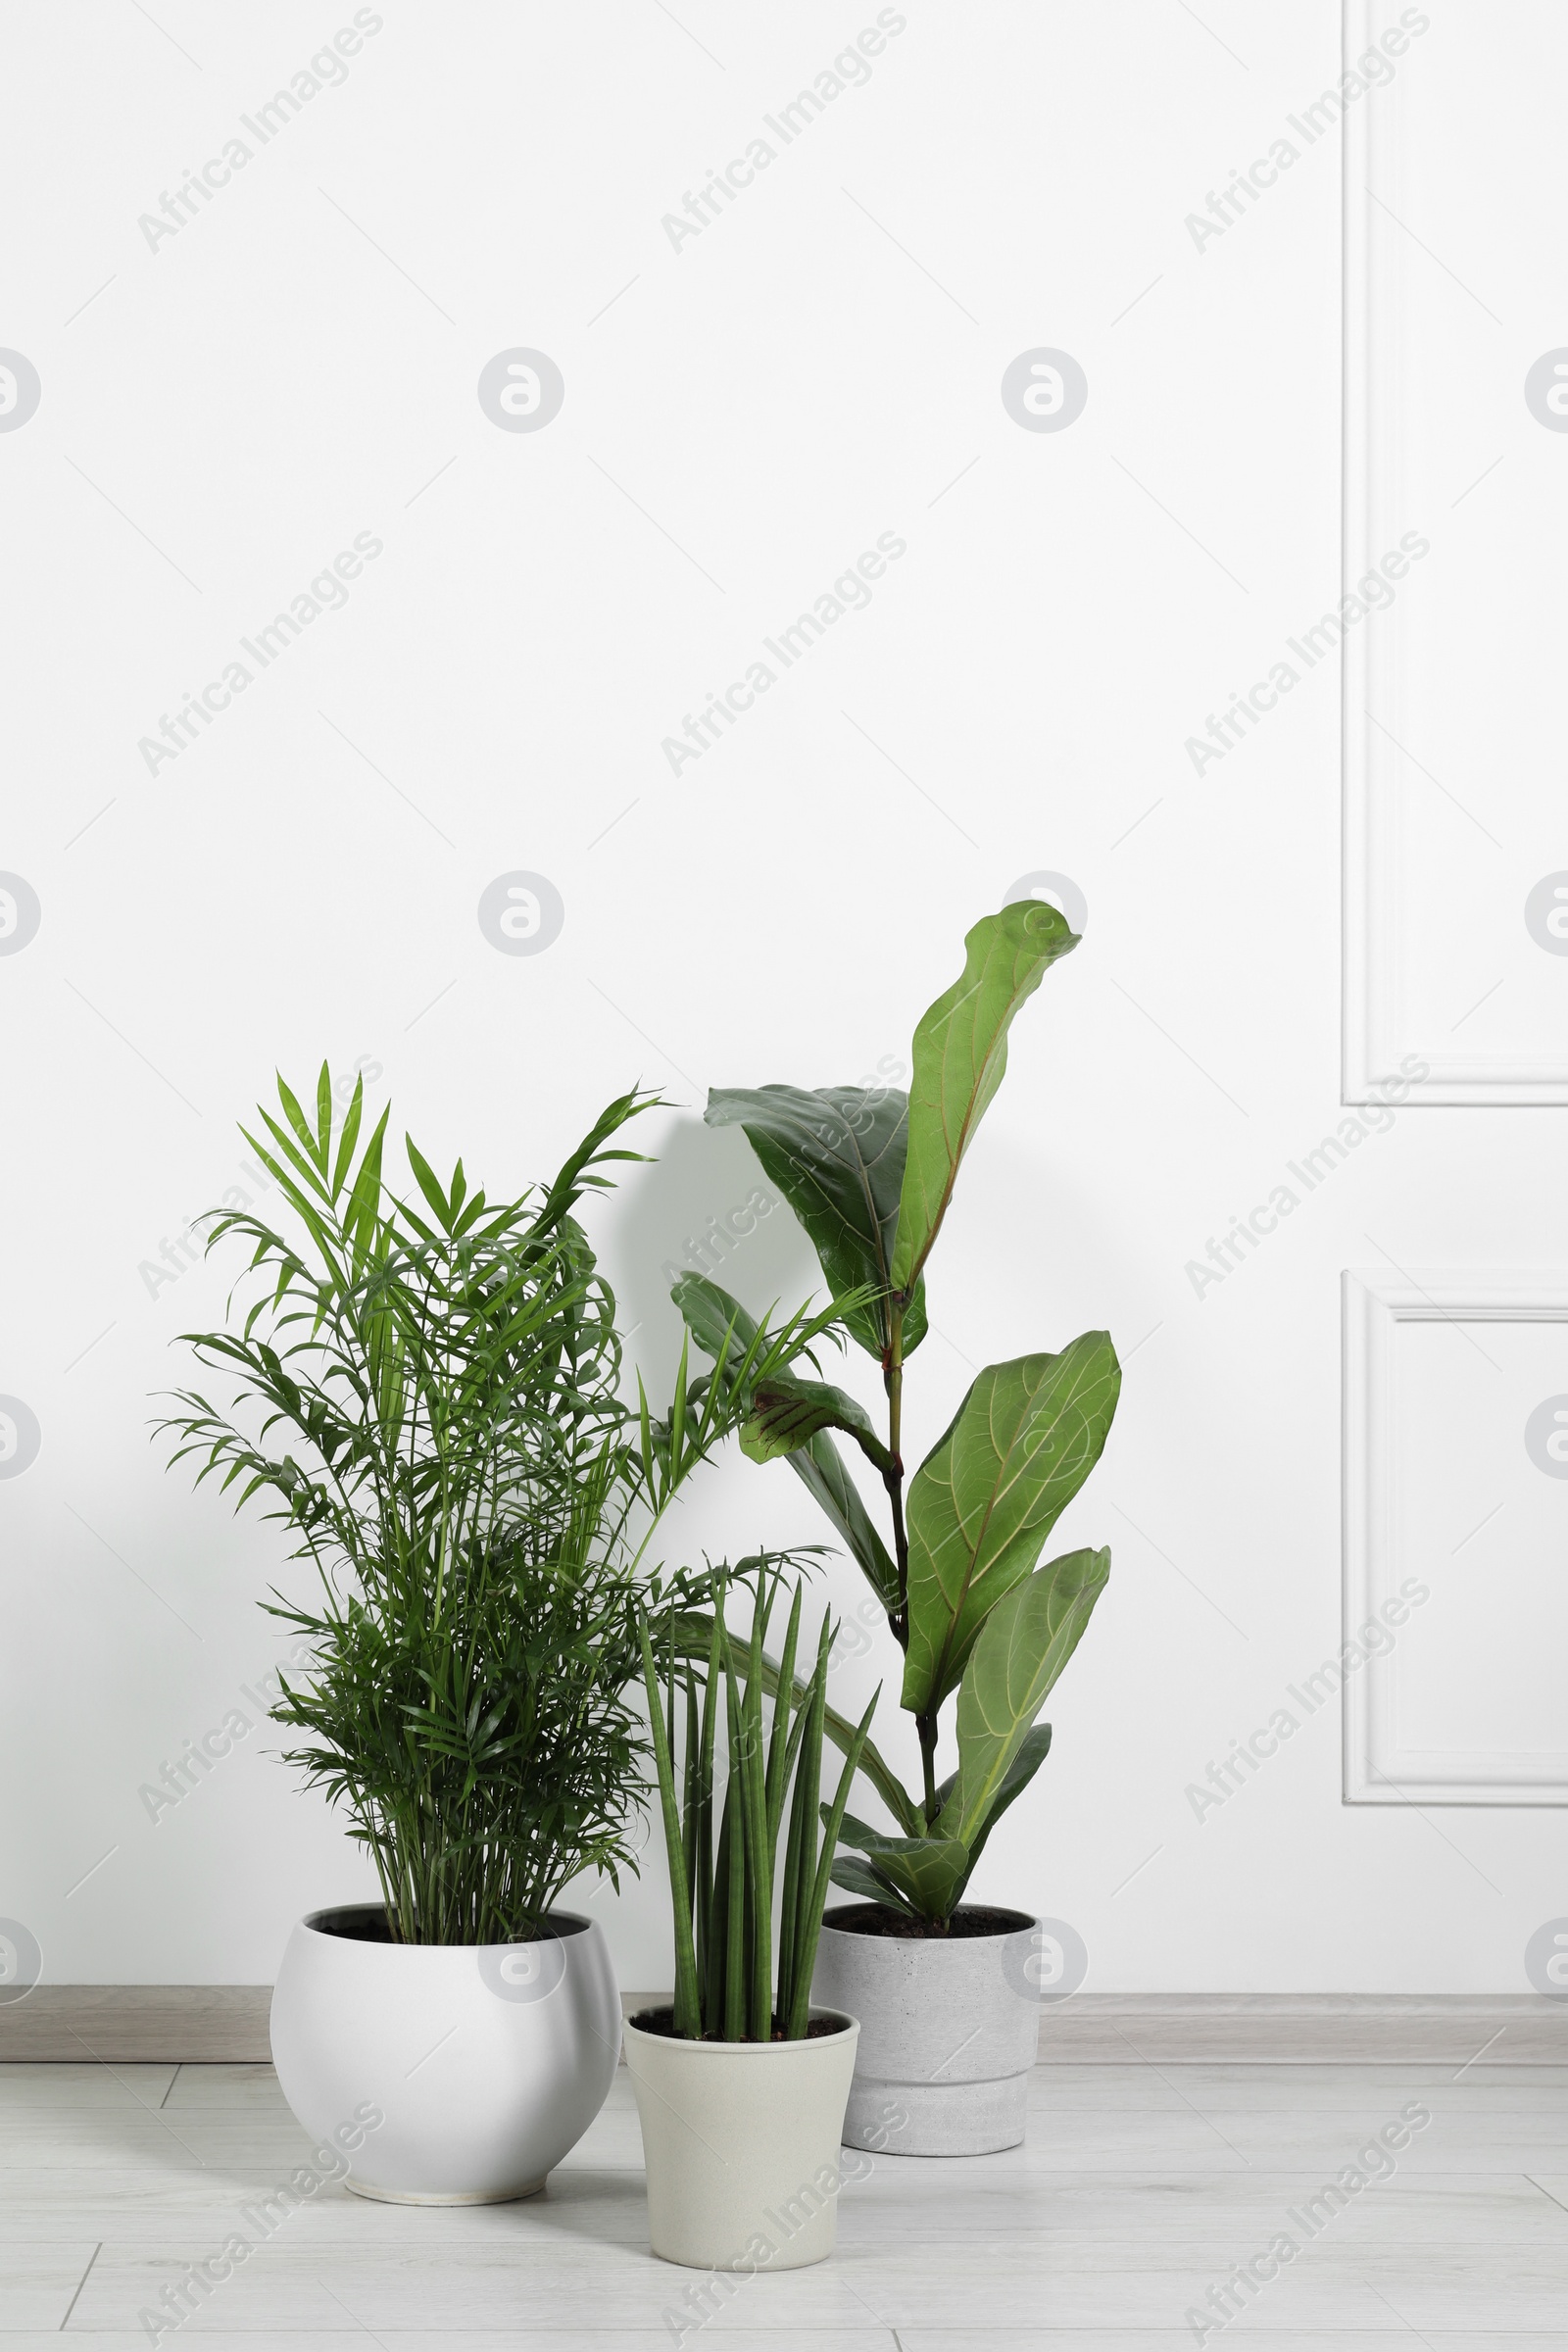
(741, 2142)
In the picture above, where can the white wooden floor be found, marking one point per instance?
(1139, 2190)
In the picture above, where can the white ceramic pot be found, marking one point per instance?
(486, 2062)
(949, 2029)
(741, 2142)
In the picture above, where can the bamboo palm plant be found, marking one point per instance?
(426, 1393)
(734, 1979)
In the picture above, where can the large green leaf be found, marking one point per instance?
(712, 1315)
(986, 1497)
(788, 1412)
(1026, 1642)
(960, 1055)
(929, 1873)
(710, 1312)
(865, 1876)
(856, 1876)
(1033, 1750)
(837, 1155)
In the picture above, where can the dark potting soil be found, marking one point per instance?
(356, 1923)
(662, 2021)
(970, 1919)
(366, 1922)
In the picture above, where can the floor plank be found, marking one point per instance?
(1139, 2191)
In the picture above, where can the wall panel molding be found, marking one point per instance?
(1378, 1769)
(1399, 469)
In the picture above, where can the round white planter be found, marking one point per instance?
(949, 2030)
(486, 2062)
(741, 2140)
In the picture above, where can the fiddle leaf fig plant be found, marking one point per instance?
(871, 1173)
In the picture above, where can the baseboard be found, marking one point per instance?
(1292, 2029)
(1304, 2028)
(227, 2025)
(126, 2025)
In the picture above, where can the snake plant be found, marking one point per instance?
(734, 1979)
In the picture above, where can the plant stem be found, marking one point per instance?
(893, 1480)
(893, 1476)
(926, 1726)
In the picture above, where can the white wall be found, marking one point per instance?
(820, 366)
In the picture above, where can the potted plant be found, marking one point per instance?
(741, 2084)
(946, 1992)
(427, 1396)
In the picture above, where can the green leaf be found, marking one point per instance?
(429, 1184)
(986, 1497)
(348, 1139)
(688, 2018)
(821, 1468)
(858, 1876)
(1026, 1642)
(1032, 1753)
(690, 1631)
(929, 1873)
(711, 1316)
(296, 1116)
(580, 1175)
(809, 1918)
(960, 1055)
(837, 1155)
(787, 1413)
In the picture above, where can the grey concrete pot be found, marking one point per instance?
(949, 2030)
